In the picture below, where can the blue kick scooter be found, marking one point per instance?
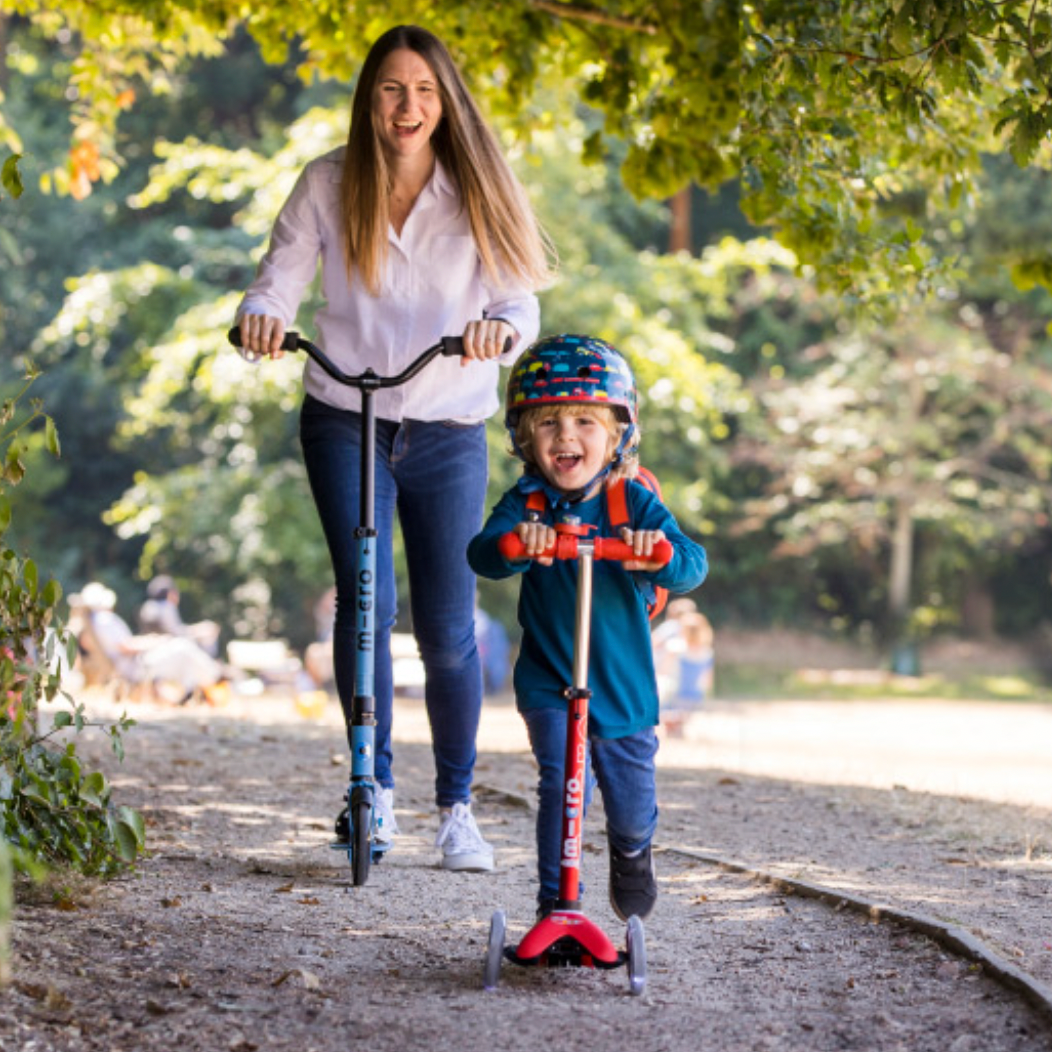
(362, 846)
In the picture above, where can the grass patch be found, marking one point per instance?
(749, 681)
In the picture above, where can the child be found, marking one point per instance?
(571, 413)
(685, 665)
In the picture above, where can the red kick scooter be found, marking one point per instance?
(566, 937)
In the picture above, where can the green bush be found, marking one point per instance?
(52, 812)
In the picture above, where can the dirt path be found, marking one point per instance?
(241, 930)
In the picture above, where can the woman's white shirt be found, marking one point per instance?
(433, 286)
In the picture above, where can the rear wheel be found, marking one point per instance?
(361, 852)
(637, 956)
(494, 951)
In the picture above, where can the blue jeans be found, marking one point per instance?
(434, 475)
(624, 770)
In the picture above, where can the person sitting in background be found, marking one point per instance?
(154, 665)
(160, 614)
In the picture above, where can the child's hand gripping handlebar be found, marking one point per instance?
(567, 546)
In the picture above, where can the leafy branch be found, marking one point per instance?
(590, 14)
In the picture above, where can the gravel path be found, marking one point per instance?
(241, 930)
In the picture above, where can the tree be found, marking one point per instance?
(851, 112)
(926, 427)
(830, 112)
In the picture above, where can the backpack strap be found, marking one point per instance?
(617, 505)
(536, 505)
(617, 513)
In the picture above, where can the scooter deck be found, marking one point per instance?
(566, 938)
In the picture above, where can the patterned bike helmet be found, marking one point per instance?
(562, 369)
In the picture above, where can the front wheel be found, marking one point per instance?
(637, 956)
(494, 951)
(361, 850)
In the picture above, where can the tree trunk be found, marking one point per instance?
(905, 658)
(978, 610)
(901, 565)
(679, 239)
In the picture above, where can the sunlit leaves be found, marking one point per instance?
(841, 118)
(11, 177)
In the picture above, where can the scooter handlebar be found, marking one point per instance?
(450, 346)
(447, 346)
(566, 547)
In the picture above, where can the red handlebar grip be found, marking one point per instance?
(612, 548)
(511, 546)
(565, 547)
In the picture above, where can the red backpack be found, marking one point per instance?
(617, 512)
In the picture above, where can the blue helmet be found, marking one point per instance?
(563, 369)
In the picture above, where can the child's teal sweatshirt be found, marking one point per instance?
(621, 661)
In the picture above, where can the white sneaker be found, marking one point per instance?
(462, 845)
(384, 824)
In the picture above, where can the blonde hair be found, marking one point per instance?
(696, 630)
(530, 419)
(509, 238)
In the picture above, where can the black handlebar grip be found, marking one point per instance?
(290, 342)
(453, 346)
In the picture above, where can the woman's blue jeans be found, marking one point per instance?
(434, 474)
(623, 768)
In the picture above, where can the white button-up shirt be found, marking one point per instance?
(433, 285)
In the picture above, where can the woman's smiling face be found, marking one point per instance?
(572, 447)
(407, 106)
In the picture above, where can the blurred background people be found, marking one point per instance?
(685, 667)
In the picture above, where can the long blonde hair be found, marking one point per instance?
(509, 239)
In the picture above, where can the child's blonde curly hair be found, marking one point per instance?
(530, 418)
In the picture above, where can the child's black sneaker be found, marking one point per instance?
(546, 907)
(633, 886)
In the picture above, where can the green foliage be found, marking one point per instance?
(52, 812)
(57, 814)
(926, 418)
(844, 115)
(11, 177)
(664, 76)
(831, 113)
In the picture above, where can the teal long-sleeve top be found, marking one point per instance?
(621, 662)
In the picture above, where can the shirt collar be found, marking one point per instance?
(441, 182)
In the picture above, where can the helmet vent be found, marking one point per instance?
(584, 371)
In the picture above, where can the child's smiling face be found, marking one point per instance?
(571, 445)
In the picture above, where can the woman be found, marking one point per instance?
(422, 231)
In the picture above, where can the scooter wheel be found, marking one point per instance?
(494, 951)
(361, 849)
(637, 956)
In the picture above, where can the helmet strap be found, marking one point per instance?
(532, 479)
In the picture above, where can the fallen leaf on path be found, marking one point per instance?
(308, 980)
